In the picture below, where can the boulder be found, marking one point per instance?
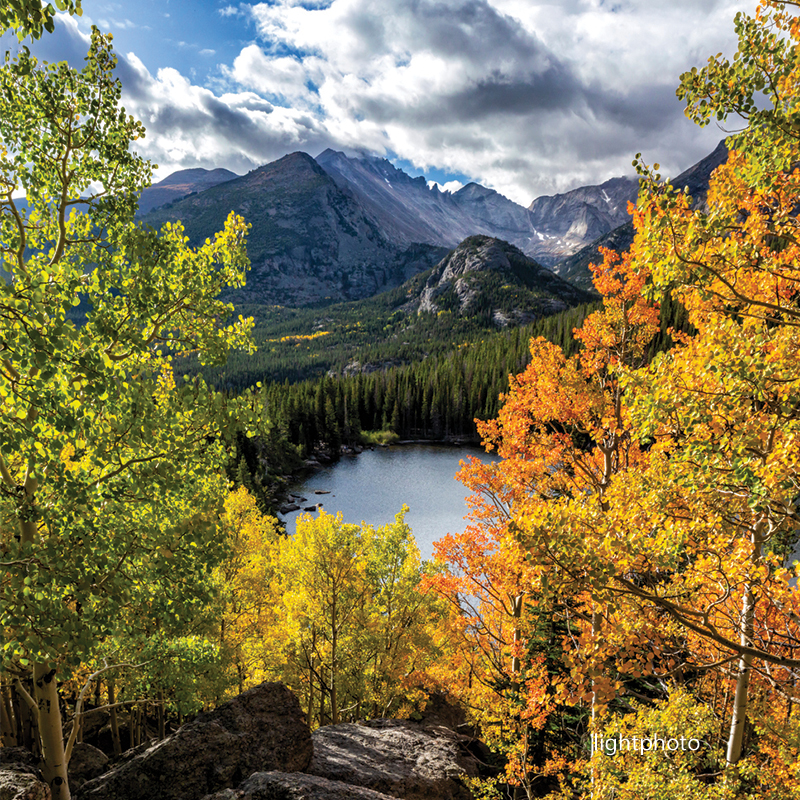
(295, 786)
(20, 778)
(396, 757)
(94, 720)
(85, 763)
(262, 729)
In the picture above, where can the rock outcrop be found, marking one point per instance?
(20, 778)
(86, 762)
(295, 786)
(395, 757)
(262, 729)
(485, 273)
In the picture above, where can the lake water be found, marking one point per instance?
(373, 486)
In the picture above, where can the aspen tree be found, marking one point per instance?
(108, 467)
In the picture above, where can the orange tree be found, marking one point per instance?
(659, 499)
(526, 573)
(722, 406)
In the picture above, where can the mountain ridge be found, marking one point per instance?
(310, 240)
(339, 228)
(181, 183)
(408, 209)
(695, 179)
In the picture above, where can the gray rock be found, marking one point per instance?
(86, 762)
(262, 729)
(296, 786)
(20, 778)
(395, 757)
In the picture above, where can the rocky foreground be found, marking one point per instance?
(259, 747)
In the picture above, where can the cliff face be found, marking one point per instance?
(490, 276)
(408, 210)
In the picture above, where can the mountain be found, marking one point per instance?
(408, 210)
(575, 268)
(310, 239)
(490, 277)
(481, 287)
(343, 228)
(571, 220)
(181, 183)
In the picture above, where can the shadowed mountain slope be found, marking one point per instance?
(310, 239)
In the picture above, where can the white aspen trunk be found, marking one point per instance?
(54, 763)
(45, 687)
(736, 735)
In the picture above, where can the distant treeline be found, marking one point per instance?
(438, 397)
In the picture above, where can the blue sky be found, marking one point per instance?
(528, 97)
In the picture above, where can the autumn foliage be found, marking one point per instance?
(631, 560)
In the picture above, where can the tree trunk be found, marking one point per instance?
(516, 606)
(736, 735)
(54, 767)
(27, 734)
(162, 726)
(334, 698)
(310, 690)
(132, 727)
(739, 715)
(112, 713)
(8, 724)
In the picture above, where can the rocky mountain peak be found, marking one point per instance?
(182, 183)
(478, 253)
(488, 275)
(474, 191)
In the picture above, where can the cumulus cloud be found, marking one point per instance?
(528, 97)
(191, 126)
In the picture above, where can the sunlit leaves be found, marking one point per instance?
(110, 469)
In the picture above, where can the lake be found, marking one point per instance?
(373, 486)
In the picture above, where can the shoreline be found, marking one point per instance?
(314, 464)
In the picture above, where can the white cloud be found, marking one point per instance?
(285, 76)
(449, 186)
(528, 97)
(191, 126)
